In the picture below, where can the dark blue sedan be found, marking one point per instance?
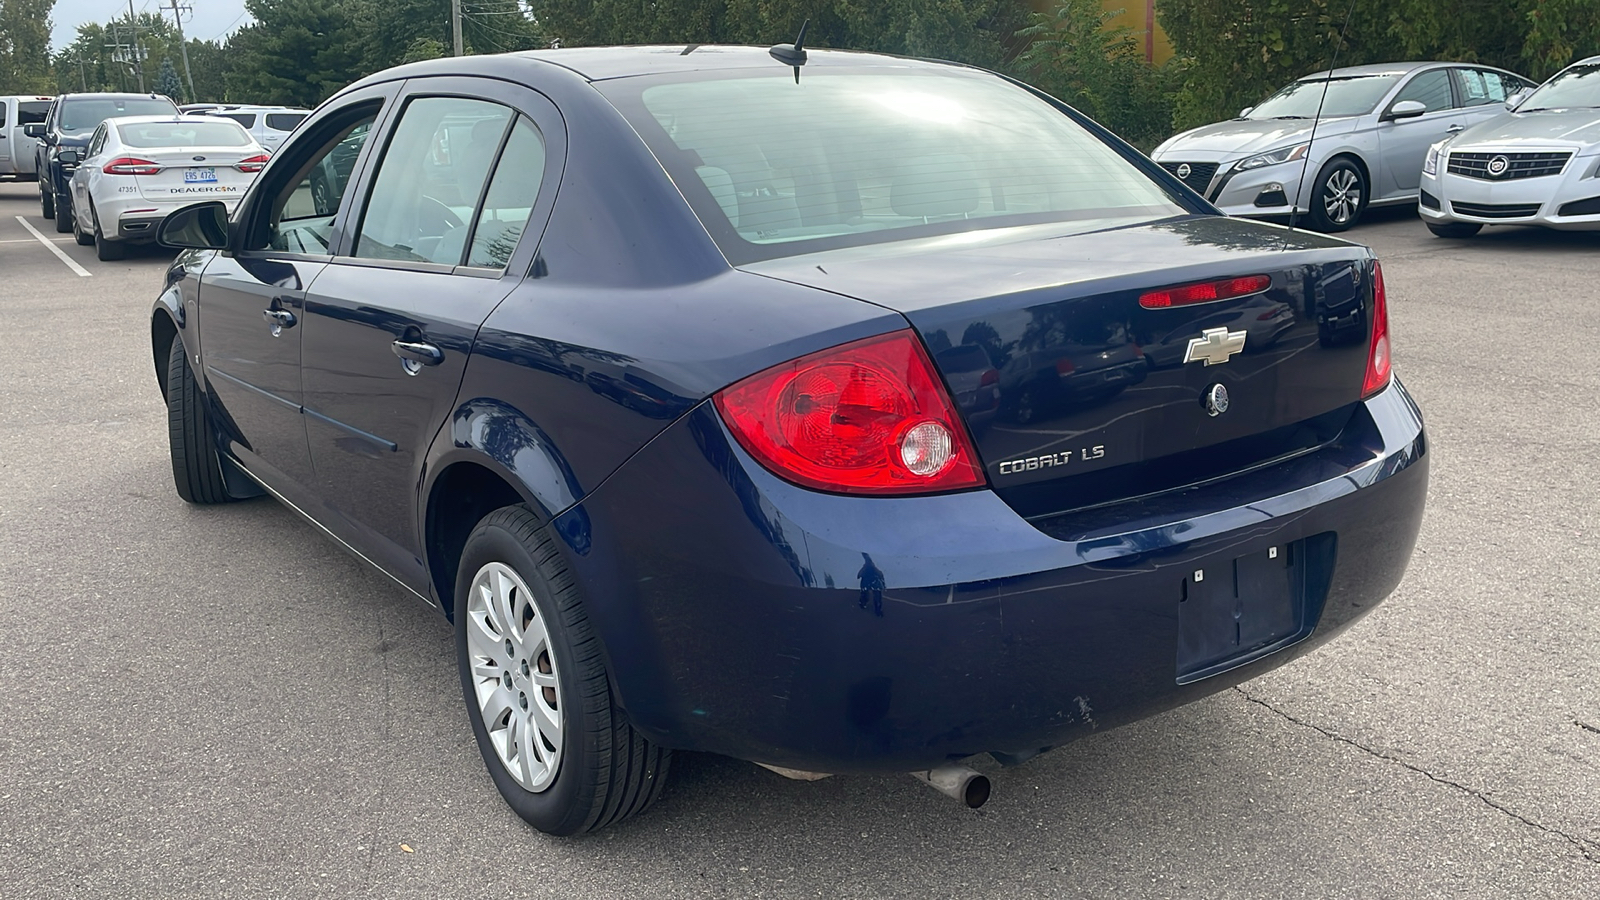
(803, 415)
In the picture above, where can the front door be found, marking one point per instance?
(389, 325)
(252, 303)
(1404, 142)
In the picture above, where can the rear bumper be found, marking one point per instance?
(135, 219)
(737, 617)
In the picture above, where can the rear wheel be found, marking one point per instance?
(557, 747)
(84, 238)
(47, 202)
(196, 470)
(1340, 196)
(63, 206)
(106, 249)
(1454, 229)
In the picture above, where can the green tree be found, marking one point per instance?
(1560, 32)
(25, 46)
(297, 53)
(168, 82)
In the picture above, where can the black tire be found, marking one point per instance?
(1342, 186)
(1454, 229)
(196, 470)
(63, 213)
(84, 238)
(606, 771)
(106, 249)
(47, 202)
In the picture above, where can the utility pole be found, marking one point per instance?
(138, 51)
(116, 55)
(455, 24)
(82, 78)
(183, 42)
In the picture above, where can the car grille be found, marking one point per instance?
(1496, 210)
(1519, 165)
(1199, 174)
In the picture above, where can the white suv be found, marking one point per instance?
(269, 125)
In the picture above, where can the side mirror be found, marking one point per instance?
(67, 157)
(34, 129)
(1244, 113)
(201, 226)
(1515, 100)
(1406, 109)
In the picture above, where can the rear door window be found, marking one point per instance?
(248, 120)
(32, 112)
(284, 121)
(1480, 88)
(510, 198)
(430, 179)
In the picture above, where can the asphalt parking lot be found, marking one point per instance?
(219, 702)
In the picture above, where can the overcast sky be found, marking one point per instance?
(208, 19)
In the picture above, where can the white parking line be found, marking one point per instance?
(53, 248)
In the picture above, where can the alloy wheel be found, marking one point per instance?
(514, 676)
(1341, 196)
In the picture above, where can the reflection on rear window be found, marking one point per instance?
(183, 134)
(284, 121)
(846, 156)
(965, 358)
(85, 114)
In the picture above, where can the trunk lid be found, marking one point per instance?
(196, 173)
(1076, 395)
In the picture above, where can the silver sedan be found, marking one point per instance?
(1376, 125)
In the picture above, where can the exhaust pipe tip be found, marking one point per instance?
(967, 785)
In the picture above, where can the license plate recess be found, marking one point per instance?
(1235, 611)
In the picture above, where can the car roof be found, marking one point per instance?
(1394, 68)
(114, 95)
(601, 63)
(250, 108)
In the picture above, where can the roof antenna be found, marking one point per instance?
(793, 54)
(1305, 161)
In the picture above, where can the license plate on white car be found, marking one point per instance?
(200, 176)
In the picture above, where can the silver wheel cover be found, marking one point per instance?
(515, 678)
(1341, 197)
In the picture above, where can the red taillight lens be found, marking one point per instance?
(868, 417)
(989, 377)
(1065, 366)
(130, 165)
(1204, 292)
(1378, 362)
(253, 164)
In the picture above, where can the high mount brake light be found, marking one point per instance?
(253, 164)
(131, 165)
(1204, 292)
(1379, 367)
(867, 417)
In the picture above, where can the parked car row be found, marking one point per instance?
(111, 166)
(1470, 145)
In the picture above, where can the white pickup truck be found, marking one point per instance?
(17, 149)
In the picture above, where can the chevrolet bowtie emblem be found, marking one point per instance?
(1215, 346)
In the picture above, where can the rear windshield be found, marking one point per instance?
(1577, 87)
(87, 113)
(183, 134)
(285, 121)
(1353, 96)
(849, 157)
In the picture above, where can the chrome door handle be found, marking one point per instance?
(416, 354)
(1453, 129)
(279, 319)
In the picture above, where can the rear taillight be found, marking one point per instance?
(1204, 292)
(868, 417)
(990, 376)
(253, 164)
(131, 165)
(1378, 360)
(1065, 366)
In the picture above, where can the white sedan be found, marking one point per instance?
(138, 169)
(1536, 165)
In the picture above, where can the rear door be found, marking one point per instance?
(447, 224)
(252, 301)
(6, 117)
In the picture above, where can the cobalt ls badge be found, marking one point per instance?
(1215, 346)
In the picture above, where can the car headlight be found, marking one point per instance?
(1272, 158)
(1430, 164)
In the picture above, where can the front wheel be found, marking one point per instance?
(540, 702)
(47, 201)
(196, 471)
(1454, 229)
(1340, 196)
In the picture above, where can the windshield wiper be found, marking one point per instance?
(1288, 117)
